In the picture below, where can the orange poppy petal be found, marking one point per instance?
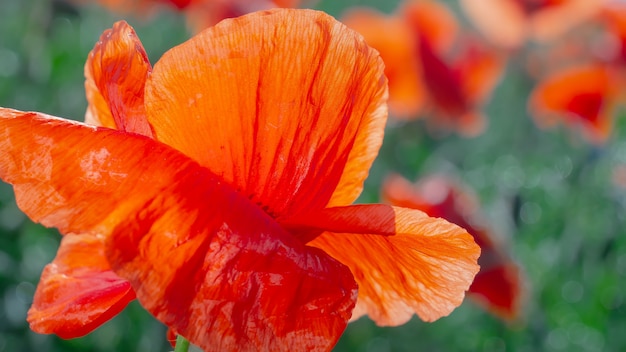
(174, 230)
(580, 96)
(438, 196)
(115, 72)
(42, 154)
(392, 37)
(78, 292)
(303, 95)
(404, 261)
(498, 285)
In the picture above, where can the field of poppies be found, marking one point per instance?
(505, 117)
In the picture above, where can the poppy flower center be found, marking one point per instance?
(304, 235)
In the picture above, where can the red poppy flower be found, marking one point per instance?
(218, 186)
(581, 96)
(508, 23)
(498, 285)
(431, 70)
(601, 40)
(581, 77)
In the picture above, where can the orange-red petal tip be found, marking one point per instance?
(116, 71)
(78, 292)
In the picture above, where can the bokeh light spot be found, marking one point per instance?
(530, 212)
(572, 291)
(9, 63)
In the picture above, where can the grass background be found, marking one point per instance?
(547, 193)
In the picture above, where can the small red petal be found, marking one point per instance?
(499, 290)
(116, 72)
(78, 292)
(580, 96)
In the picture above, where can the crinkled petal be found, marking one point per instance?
(202, 258)
(59, 169)
(404, 261)
(232, 285)
(303, 95)
(78, 292)
(498, 285)
(116, 72)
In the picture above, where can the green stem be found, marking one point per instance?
(182, 345)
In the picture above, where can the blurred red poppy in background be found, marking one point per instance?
(498, 285)
(583, 97)
(581, 77)
(217, 187)
(433, 70)
(509, 23)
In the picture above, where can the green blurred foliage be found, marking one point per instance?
(547, 193)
